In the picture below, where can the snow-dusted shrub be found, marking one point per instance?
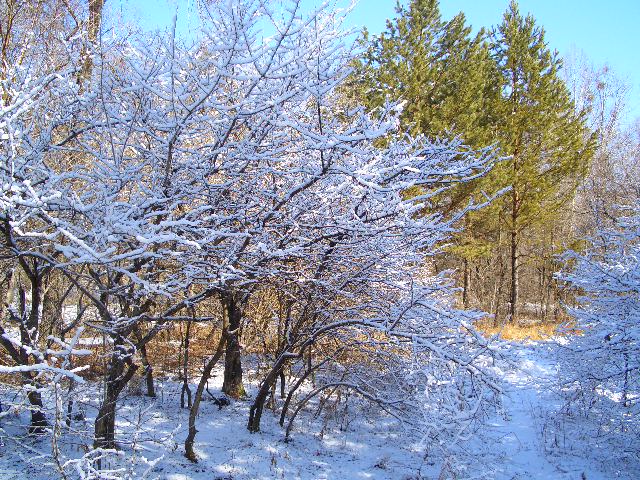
(600, 366)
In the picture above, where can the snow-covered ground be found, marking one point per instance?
(352, 442)
(520, 432)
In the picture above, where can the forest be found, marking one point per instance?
(282, 248)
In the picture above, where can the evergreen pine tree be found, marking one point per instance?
(447, 81)
(442, 74)
(506, 92)
(537, 127)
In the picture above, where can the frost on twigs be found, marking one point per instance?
(225, 173)
(599, 367)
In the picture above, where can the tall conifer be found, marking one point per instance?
(537, 127)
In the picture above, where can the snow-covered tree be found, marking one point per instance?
(35, 104)
(166, 175)
(600, 366)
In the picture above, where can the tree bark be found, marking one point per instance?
(309, 372)
(20, 357)
(38, 418)
(513, 297)
(466, 286)
(148, 369)
(193, 412)
(283, 385)
(185, 370)
(232, 384)
(93, 30)
(29, 330)
(6, 286)
(119, 371)
(255, 412)
(148, 372)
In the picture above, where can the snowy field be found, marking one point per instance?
(527, 439)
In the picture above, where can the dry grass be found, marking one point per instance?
(520, 332)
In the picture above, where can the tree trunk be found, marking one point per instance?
(193, 412)
(232, 384)
(148, 374)
(38, 418)
(29, 332)
(148, 369)
(292, 391)
(104, 436)
(119, 372)
(309, 372)
(466, 284)
(515, 203)
(255, 412)
(625, 384)
(283, 385)
(6, 288)
(513, 297)
(93, 31)
(20, 356)
(70, 404)
(185, 370)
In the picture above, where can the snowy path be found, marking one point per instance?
(513, 449)
(521, 430)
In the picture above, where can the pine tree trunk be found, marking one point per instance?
(466, 284)
(513, 300)
(498, 281)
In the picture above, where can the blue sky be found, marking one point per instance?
(607, 32)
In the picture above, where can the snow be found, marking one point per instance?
(528, 402)
(357, 443)
(206, 174)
